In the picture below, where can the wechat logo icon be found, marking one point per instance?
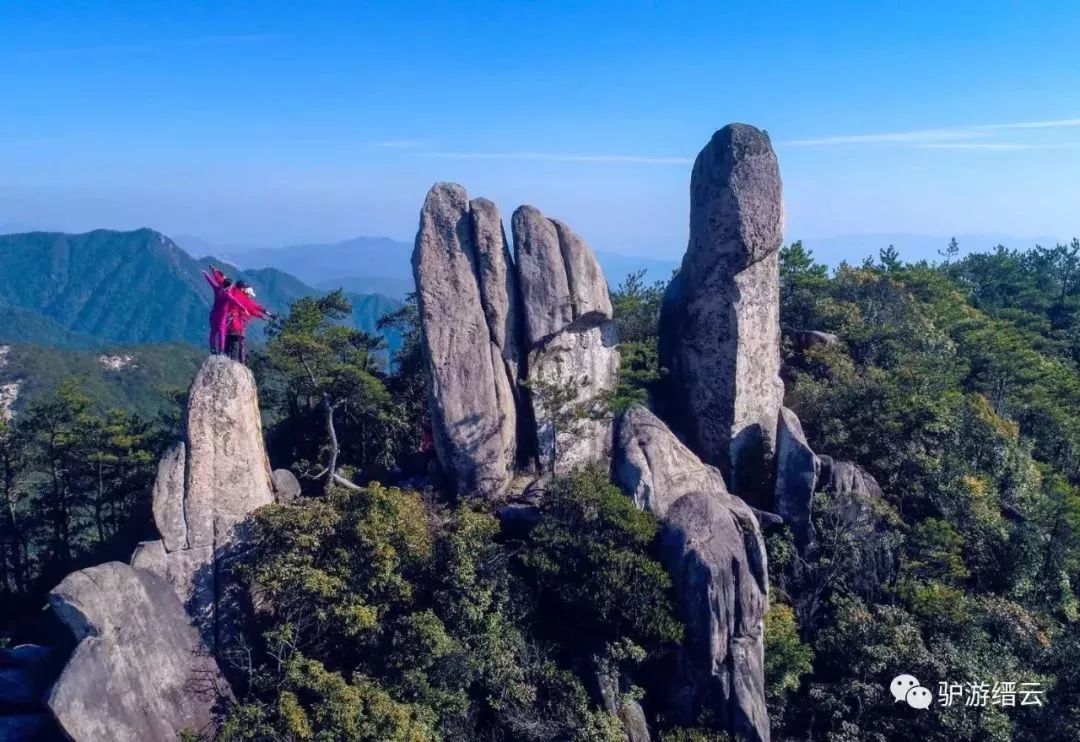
(906, 688)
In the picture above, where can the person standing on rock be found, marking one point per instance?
(240, 313)
(223, 300)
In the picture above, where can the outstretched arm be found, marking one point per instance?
(253, 307)
(215, 277)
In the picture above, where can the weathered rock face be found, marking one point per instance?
(854, 490)
(168, 498)
(286, 486)
(720, 329)
(713, 549)
(571, 336)
(139, 671)
(206, 489)
(797, 471)
(847, 478)
(585, 359)
(228, 474)
(473, 409)
(493, 325)
(629, 713)
(545, 288)
(654, 468)
(806, 339)
(498, 284)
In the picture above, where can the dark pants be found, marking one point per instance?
(234, 347)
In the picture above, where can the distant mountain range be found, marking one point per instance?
(139, 287)
(379, 265)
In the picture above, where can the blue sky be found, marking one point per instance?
(278, 122)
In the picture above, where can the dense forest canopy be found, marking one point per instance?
(390, 613)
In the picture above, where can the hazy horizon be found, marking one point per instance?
(828, 249)
(270, 126)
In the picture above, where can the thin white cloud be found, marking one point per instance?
(998, 145)
(150, 46)
(560, 157)
(977, 145)
(1052, 124)
(903, 137)
(957, 137)
(400, 143)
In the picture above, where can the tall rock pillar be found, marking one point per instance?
(467, 300)
(206, 488)
(720, 319)
(572, 341)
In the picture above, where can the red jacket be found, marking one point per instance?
(243, 311)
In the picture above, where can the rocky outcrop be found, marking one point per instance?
(720, 329)
(168, 498)
(806, 339)
(847, 478)
(545, 287)
(573, 356)
(616, 702)
(853, 491)
(797, 471)
(654, 468)
(712, 547)
(139, 672)
(473, 408)
(499, 332)
(286, 486)
(497, 279)
(228, 473)
(206, 489)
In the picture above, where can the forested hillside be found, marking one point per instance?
(137, 379)
(955, 385)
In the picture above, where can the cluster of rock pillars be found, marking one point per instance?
(722, 457)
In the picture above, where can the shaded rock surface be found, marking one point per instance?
(206, 489)
(139, 671)
(712, 547)
(796, 478)
(25, 673)
(28, 728)
(654, 467)
(720, 328)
